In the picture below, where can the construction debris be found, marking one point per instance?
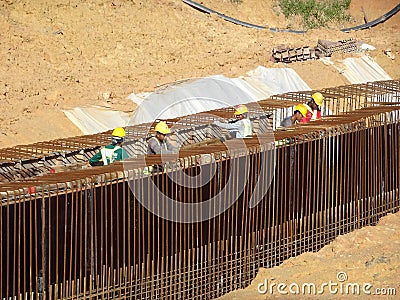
(389, 54)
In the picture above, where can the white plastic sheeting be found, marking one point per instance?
(203, 94)
(279, 80)
(138, 98)
(190, 97)
(362, 70)
(91, 120)
(215, 92)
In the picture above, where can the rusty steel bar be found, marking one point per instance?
(90, 233)
(338, 100)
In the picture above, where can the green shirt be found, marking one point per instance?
(111, 153)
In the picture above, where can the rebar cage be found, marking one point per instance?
(86, 233)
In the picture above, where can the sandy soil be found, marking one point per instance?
(58, 54)
(366, 256)
(61, 54)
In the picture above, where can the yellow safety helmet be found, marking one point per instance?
(119, 132)
(302, 109)
(318, 98)
(241, 109)
(162, 128)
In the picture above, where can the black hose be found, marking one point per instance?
(235, 21)
(210, 11)
(202, 8)
(374, 22)
(287, 30)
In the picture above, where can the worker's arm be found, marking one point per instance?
(121, 154)
(170, 147)
(95, 159)
(287, 122)
(157, 148)
(230, 126)
(153, 147)
(124, 154)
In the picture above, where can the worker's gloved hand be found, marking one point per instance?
(217, 123)
(230, 121)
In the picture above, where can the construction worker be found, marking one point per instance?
(313, 107)
(300, 112)
(241, 126)
(112, 152)
(159, 143)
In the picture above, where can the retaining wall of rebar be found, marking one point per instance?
(92, 238)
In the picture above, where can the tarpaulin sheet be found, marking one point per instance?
(215, 92)
(91, 120)
(192, 96)
(362, 70)
(279, 80)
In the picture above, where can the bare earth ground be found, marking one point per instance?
(369, 255)
(58, 54)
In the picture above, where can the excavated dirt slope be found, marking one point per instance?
(369, 255)
(61, 54)
(58, 54)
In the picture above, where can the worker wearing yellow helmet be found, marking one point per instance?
(314, 107)
(241, 126)
(300, 112)
(112, 152)
(159, 143)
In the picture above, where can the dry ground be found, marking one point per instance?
(58, 54)
(369, 255)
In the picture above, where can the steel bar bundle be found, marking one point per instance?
(285, 54)
(327, 48)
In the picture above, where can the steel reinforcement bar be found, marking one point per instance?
(113, 233)
(27, 161)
